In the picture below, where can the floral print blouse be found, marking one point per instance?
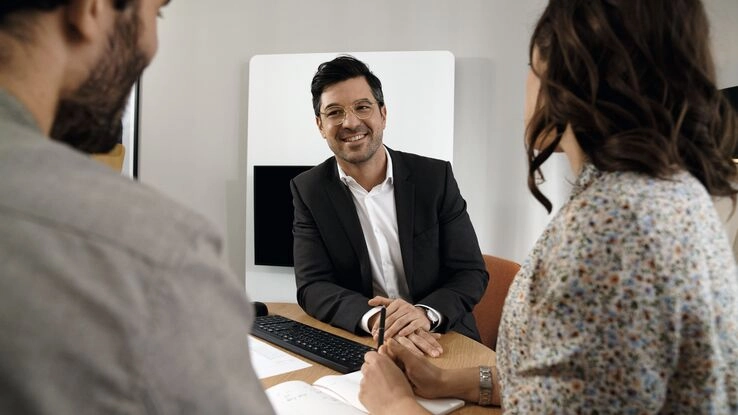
(627, 304)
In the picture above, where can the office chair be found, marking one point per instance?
(488, 311)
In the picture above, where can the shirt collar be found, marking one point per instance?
(587, 176)
(388, 175)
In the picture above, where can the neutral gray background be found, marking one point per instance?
(194, 99)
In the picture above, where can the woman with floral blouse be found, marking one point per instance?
(628, 302)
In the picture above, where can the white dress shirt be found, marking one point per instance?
(378, 218)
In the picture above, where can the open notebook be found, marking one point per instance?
(336, 395)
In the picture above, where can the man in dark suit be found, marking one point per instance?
(376, 227)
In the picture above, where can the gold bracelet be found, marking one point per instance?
(485, 385)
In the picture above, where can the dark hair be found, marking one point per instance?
(635, 80)
(340, 69)
(7, 7)
(10, 6)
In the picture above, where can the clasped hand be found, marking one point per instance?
(393, 375)
(408, 325)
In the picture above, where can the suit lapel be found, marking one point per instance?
(404, 204)
(340, 197)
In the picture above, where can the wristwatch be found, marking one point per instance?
(432, 317)
(485, 385)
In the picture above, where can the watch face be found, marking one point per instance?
(431, 316)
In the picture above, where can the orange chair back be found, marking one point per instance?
(488, 311)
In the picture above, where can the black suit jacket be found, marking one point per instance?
(440, 252)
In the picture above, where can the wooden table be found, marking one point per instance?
(458, 351)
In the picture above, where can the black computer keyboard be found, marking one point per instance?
(336, 352)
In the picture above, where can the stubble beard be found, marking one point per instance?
(91, 119)
(375, 141)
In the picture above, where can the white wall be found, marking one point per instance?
(194, 99)
(723, 15)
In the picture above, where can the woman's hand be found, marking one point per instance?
(384, 389)
(427, 379)
(430, 381)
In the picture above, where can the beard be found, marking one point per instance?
(90, 120)
(353, 155)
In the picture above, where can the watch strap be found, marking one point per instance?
(485, 385)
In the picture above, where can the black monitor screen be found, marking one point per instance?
(732, 95)
(273, 214)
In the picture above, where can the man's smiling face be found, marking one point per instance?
(355, 140)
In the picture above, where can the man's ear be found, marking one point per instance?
(85, 18)
(319, 123)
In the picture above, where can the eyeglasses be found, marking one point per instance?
(336, 114)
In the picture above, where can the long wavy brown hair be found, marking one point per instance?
(635, 80)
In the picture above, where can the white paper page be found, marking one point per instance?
(299, 398)
(346, 387)
(270, 361)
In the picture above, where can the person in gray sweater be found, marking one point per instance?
(113, 299)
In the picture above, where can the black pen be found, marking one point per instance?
(382, 315)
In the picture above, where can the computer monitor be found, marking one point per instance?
(273, 214)
(732, 95)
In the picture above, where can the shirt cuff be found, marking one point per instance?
(367, 316)
(439, 316)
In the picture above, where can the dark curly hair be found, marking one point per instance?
(635, 80)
